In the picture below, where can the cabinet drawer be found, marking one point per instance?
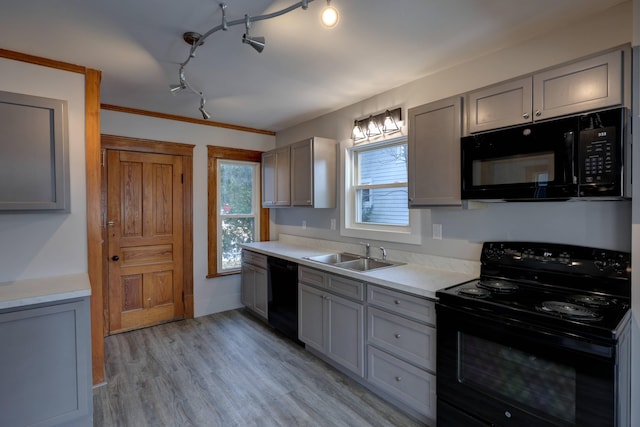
(346, 287)
(311, 276)
(254, 258)
(404, 304)
(412, 341)
(407, 383)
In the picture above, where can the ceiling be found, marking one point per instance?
(305, 69)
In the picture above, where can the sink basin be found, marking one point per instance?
(365, 264)
(334, 258)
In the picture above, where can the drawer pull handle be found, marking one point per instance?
(396, 302)
(398, 379)
(396, 335)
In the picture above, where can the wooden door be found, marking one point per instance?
(145, 239)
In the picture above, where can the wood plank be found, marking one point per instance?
(95, 229)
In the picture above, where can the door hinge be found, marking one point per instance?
(102, 156)
(182, 178)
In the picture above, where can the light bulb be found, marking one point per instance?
(330, 16)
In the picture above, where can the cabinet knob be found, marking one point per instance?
(538, 113)
(326, 297)
(396, 302)
(398, 379)
(397, 336)
(525, 116)
(115, 257)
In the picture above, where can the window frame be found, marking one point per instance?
(349, 226)
(215, 153)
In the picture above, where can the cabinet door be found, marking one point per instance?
(268, 178)
(275, 178)
(434, 154)
(581, 86)
(345, 339)
(302, 173)
(247, 280)
(502, 105)
(260, 292)
(311, 328)
(283, 177)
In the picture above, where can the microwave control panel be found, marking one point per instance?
(597, 156)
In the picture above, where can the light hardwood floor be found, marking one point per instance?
(228, 369)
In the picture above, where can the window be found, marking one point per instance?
(376, 195)
(235, 216)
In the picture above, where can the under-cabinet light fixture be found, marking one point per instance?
(329, 17)
(377, 125)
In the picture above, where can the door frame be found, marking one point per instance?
(123, 143)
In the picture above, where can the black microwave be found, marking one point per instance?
(584, 156)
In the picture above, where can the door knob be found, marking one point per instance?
(115, 257)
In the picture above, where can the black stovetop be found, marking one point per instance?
(578, 290)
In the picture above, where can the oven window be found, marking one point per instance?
(542, 385)
(520, 169)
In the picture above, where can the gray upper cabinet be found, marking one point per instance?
(502, 105)
(584, 85)
(434, 153)
(313, 173)
(34, 154)
(300, 175)
(276, 178)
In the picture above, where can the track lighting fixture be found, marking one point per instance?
(205, 114)
(255, 42)
(330, 19)
(377, 125)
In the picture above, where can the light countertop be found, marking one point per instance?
(21, 293)
(412, 278)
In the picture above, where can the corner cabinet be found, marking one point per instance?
(254, 283)
(276, 178)
(434, 153)
(331, 317)
(588, 84)
(302, 174)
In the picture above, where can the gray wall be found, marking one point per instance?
(598, 224)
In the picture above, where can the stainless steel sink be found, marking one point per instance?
(365, 264)
(352, 261)
(334, 258)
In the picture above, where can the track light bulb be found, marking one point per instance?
(330, 16)
(176, 88)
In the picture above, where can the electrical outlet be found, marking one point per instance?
(304, 224)
(437, 231)
(333, 223)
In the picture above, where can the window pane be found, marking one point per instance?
(383, 206)
(383, 165)
(234, 232)
(236, 189)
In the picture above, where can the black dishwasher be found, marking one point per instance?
(283, 296)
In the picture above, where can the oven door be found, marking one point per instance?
(505, 374)
(528, 162)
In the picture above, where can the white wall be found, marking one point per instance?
(599, 224)
(210, 295)
(48, 244)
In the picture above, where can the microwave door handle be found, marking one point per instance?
(569, 141)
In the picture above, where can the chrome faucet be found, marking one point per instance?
(367, 249)
(384, 253)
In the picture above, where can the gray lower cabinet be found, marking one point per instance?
(45, 365)
(331, 318)
(254, 283)
(401, 348)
